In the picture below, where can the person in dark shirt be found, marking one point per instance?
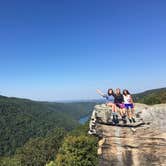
(119, 101)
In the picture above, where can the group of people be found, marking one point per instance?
(123, 101)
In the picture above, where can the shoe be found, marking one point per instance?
(92, 132)
(130, 120)
(114, 119)
(133, 120)
(124, 119)
(117, 120)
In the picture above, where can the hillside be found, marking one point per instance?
(22, 119)
(154, 96)
(35, 133)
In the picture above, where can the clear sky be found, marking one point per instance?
(65, 49)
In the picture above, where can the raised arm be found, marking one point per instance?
(100, 92)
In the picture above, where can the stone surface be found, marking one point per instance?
(143, 145)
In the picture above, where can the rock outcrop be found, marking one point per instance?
(137, 145)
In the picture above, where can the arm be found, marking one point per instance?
(100, 93)
(122, 99)
(131, 99)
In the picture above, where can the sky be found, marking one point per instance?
(66, 49)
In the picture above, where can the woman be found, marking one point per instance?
(128, 102)
(119, 101)
(110, 102)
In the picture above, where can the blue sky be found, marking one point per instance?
(65, 49)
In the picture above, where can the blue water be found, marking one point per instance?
(84, 119)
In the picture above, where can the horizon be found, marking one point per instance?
(65, 50)
(74, 100)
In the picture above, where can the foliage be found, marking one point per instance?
(155, 96)
(22, 119)
(78, 149)
(38, 151)
(52, 163)
(10, 161)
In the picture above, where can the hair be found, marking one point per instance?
(119, 91)
(110, 93)
(125, 90)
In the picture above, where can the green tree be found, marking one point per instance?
(10, 161)
(77, 151)
(39, 151)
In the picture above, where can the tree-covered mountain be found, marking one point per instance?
(34, 133)
(154, 96)
(22, 119)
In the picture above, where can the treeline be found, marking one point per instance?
(22, 120)
(57, 148)
(150, 97)
(36, 151)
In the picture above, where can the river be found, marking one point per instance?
(84, 119)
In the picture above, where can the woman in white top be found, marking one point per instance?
(129, 105)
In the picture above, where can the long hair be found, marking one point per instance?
(109, 94)
(119, 92)
(127, 92)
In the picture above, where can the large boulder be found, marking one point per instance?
(144, 146)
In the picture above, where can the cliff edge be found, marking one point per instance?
(140, 144)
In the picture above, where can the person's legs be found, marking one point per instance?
(124, 111)
(129, 115)
(112, 105)
(133, 111)
(121, 112)
(129, 112)
(124, 115)
(114, 112)
(119, 109)
(133, 114)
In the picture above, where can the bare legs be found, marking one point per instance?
(122, 111)
(130, 114)
(115, 119)
(114, 109)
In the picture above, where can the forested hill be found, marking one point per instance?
(154, 96)
(22, 119)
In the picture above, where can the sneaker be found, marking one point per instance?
(117, 120)
(133, 120)
(124, 119)
(92, 132)
(130, 120)
(114, 120)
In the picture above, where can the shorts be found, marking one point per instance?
(128, 106)
(120, 105)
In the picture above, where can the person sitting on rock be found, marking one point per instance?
(128, 102)
(119, 101)
(110, 102)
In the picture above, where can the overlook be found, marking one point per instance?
(142, 143)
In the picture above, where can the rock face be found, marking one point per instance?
(142, 145)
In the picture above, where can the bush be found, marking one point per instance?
(78, 151)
